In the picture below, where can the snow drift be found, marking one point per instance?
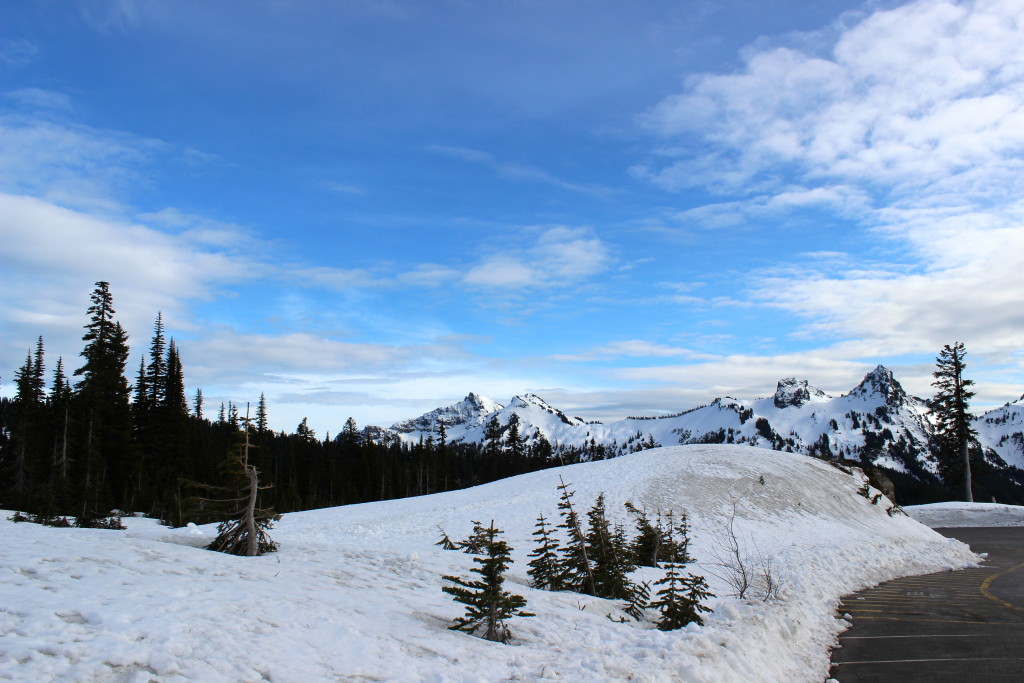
(355, 592)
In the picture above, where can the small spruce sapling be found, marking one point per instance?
(679, 602)
(474, 543)
(579, 574)
(487, 605)
(445, 542)
(545, 569)
(646, 547)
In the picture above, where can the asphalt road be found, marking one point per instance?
(959, 626)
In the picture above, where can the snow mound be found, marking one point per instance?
(355, 592)
(957, 514)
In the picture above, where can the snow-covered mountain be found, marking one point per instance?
(469, 413)
(1002, 430)
(875, 422)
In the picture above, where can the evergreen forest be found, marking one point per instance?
(86, 443)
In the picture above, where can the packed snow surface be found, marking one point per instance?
(957, 514)
(355, 592)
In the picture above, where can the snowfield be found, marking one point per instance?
(355, 592)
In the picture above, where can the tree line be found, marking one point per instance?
(85, 442)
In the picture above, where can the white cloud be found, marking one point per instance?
(909, 121)
(909, 96)
(560, 255)
(71, 164)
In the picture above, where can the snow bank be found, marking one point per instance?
(355, 592)
(957, 514)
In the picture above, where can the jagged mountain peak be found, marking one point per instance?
(795, 392)
(473, 409)
(881, 382)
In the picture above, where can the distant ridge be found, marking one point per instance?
(877, 422)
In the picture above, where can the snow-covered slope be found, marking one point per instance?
(1002, 430)
(355, 592)
(877, 420)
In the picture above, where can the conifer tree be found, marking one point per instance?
(493, 437)
(108, 460)
(487, 605)
(38, 381)
(261, 415)
(445, 542)
(477, 539)
(174, 391)
(156, 371)
(545, 569)
(952, 417)
(579, 575)
(516, 447)
(20, 472)
(680, 600)
(59, 485)
(609, 563)
(677, 538)
(647, 546)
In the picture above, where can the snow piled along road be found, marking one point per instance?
(958, 514)
(355, 592)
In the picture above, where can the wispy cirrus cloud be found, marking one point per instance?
(516, 171)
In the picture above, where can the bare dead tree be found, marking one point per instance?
(244, 532)
(739, 563)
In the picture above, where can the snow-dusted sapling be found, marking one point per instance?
(487, 605)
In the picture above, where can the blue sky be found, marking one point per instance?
(370, 209)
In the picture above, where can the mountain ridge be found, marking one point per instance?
(877, 422)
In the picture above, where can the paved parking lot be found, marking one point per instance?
(949, 626)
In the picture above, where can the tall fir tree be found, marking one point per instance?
(59, 501)
(950, 408)
(261, 415)
(20, 472)
(102, 395)
(488, 606)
